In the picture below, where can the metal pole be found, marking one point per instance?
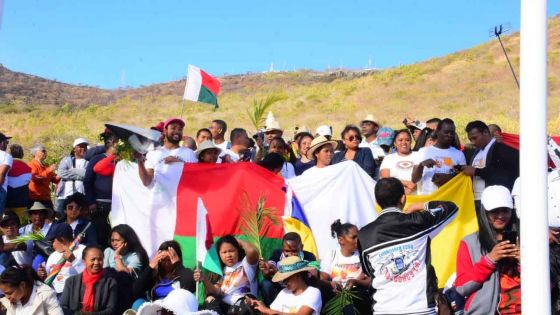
(535, 268)
(507, 58)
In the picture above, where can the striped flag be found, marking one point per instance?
(296, 221)
(206, 254)
(201, 87)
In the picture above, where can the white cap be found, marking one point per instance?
(80, 141)
(324, 130)
(494, 197)
(179, 301)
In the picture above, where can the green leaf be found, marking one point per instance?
(254, 220)
(259, 108)
(342, 299)
(33, 236)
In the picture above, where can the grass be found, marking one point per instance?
(467, 85)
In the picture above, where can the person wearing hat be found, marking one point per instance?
(298, 297)
(352, 152)
(170, 152)
(42, 175)
(71, 170)
(208, 152)
(325, 131)
(6, 161)
(321, 151)
(13, 254)
(37, 214)
(62, 238)
(488, 270)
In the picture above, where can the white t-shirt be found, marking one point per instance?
(376, 150)
(342, 268)
(400, 166)
(27, 229)
(71, 187)
(479, 161)
(226, 145)
(287, 302)
(69, 269)
(28, 307)
(232, 155)
(6, 159)
(155, 158)
(239, 280)
(446, 159)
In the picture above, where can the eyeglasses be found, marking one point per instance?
(352, 138)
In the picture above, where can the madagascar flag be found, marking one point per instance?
(201, 87)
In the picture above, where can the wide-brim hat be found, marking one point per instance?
(38, 206)
(317, 143)
(290, 266)
(206, 145)
(273, 126)
(370, 118)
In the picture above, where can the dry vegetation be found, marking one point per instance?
(470, 84)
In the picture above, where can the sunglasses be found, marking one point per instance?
(352, 138)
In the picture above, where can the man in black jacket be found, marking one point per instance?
(395, 251)
(493, 163)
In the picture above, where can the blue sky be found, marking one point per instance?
(105, 43)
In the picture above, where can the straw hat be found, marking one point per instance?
(318, 142)
(290, 266)
(206, 145)
(370, 118)
(273, 126)
(38, 206)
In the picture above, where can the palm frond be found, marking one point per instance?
(341, 300)
(33, 236)
(254, 220)
(257, 111)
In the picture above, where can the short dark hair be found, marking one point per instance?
(230, 239)
(272, 161)
(203, 130)
(476, 124)
(348, 128)
(222, 124)
(433, 121)
(498, 128)
(89, 248)
(398, 132)
(15, 275)
(78, 198)
(16, 151)
(236, 133)
(445, 121)
(291, 237)
(280, 140)
(388, 192)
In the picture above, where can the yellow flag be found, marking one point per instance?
(445, 245)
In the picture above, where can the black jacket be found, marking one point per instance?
(363, 157)
(502, 166)
(97, 186)
(146, 281)
(106, 295)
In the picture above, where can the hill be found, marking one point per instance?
(471, 84)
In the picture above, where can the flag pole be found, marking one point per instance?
(535, 281)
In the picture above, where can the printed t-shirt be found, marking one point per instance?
(341, 268)
(510, 295)
(239, 280)
(400, 166)
(446, 159)
(68, 269)
(287, 302)
(479, 161)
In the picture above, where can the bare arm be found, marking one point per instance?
(251, 253)
(146, 174)
(3, 172)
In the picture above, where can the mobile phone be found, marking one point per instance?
(510, 236)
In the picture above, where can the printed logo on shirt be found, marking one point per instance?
(289, 309)
(236, 279)
(399, 264)
(345, 272)
(405, 164)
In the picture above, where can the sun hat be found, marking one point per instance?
(38, 206)
(370, 118)
(79, 141)
(173, 121)
(273, 125)
(178, 301)
(324, 130)
(290, 266)
(496, 196)
(9, 215)
(385, 136)
(3, 137)
(318, 142)
(206, 145)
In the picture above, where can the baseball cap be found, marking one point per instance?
(80, 141)
(3, 137)
(385, 136)
(324, 130)
(159, 126)
(173, 120)
(496, 196)
(7, 216)
(60, 230)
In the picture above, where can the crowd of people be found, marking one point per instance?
(60, 255)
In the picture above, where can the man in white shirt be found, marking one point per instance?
(6, 161)
(239, 145)
(438, 163)
(171, 152)
(218, 129)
